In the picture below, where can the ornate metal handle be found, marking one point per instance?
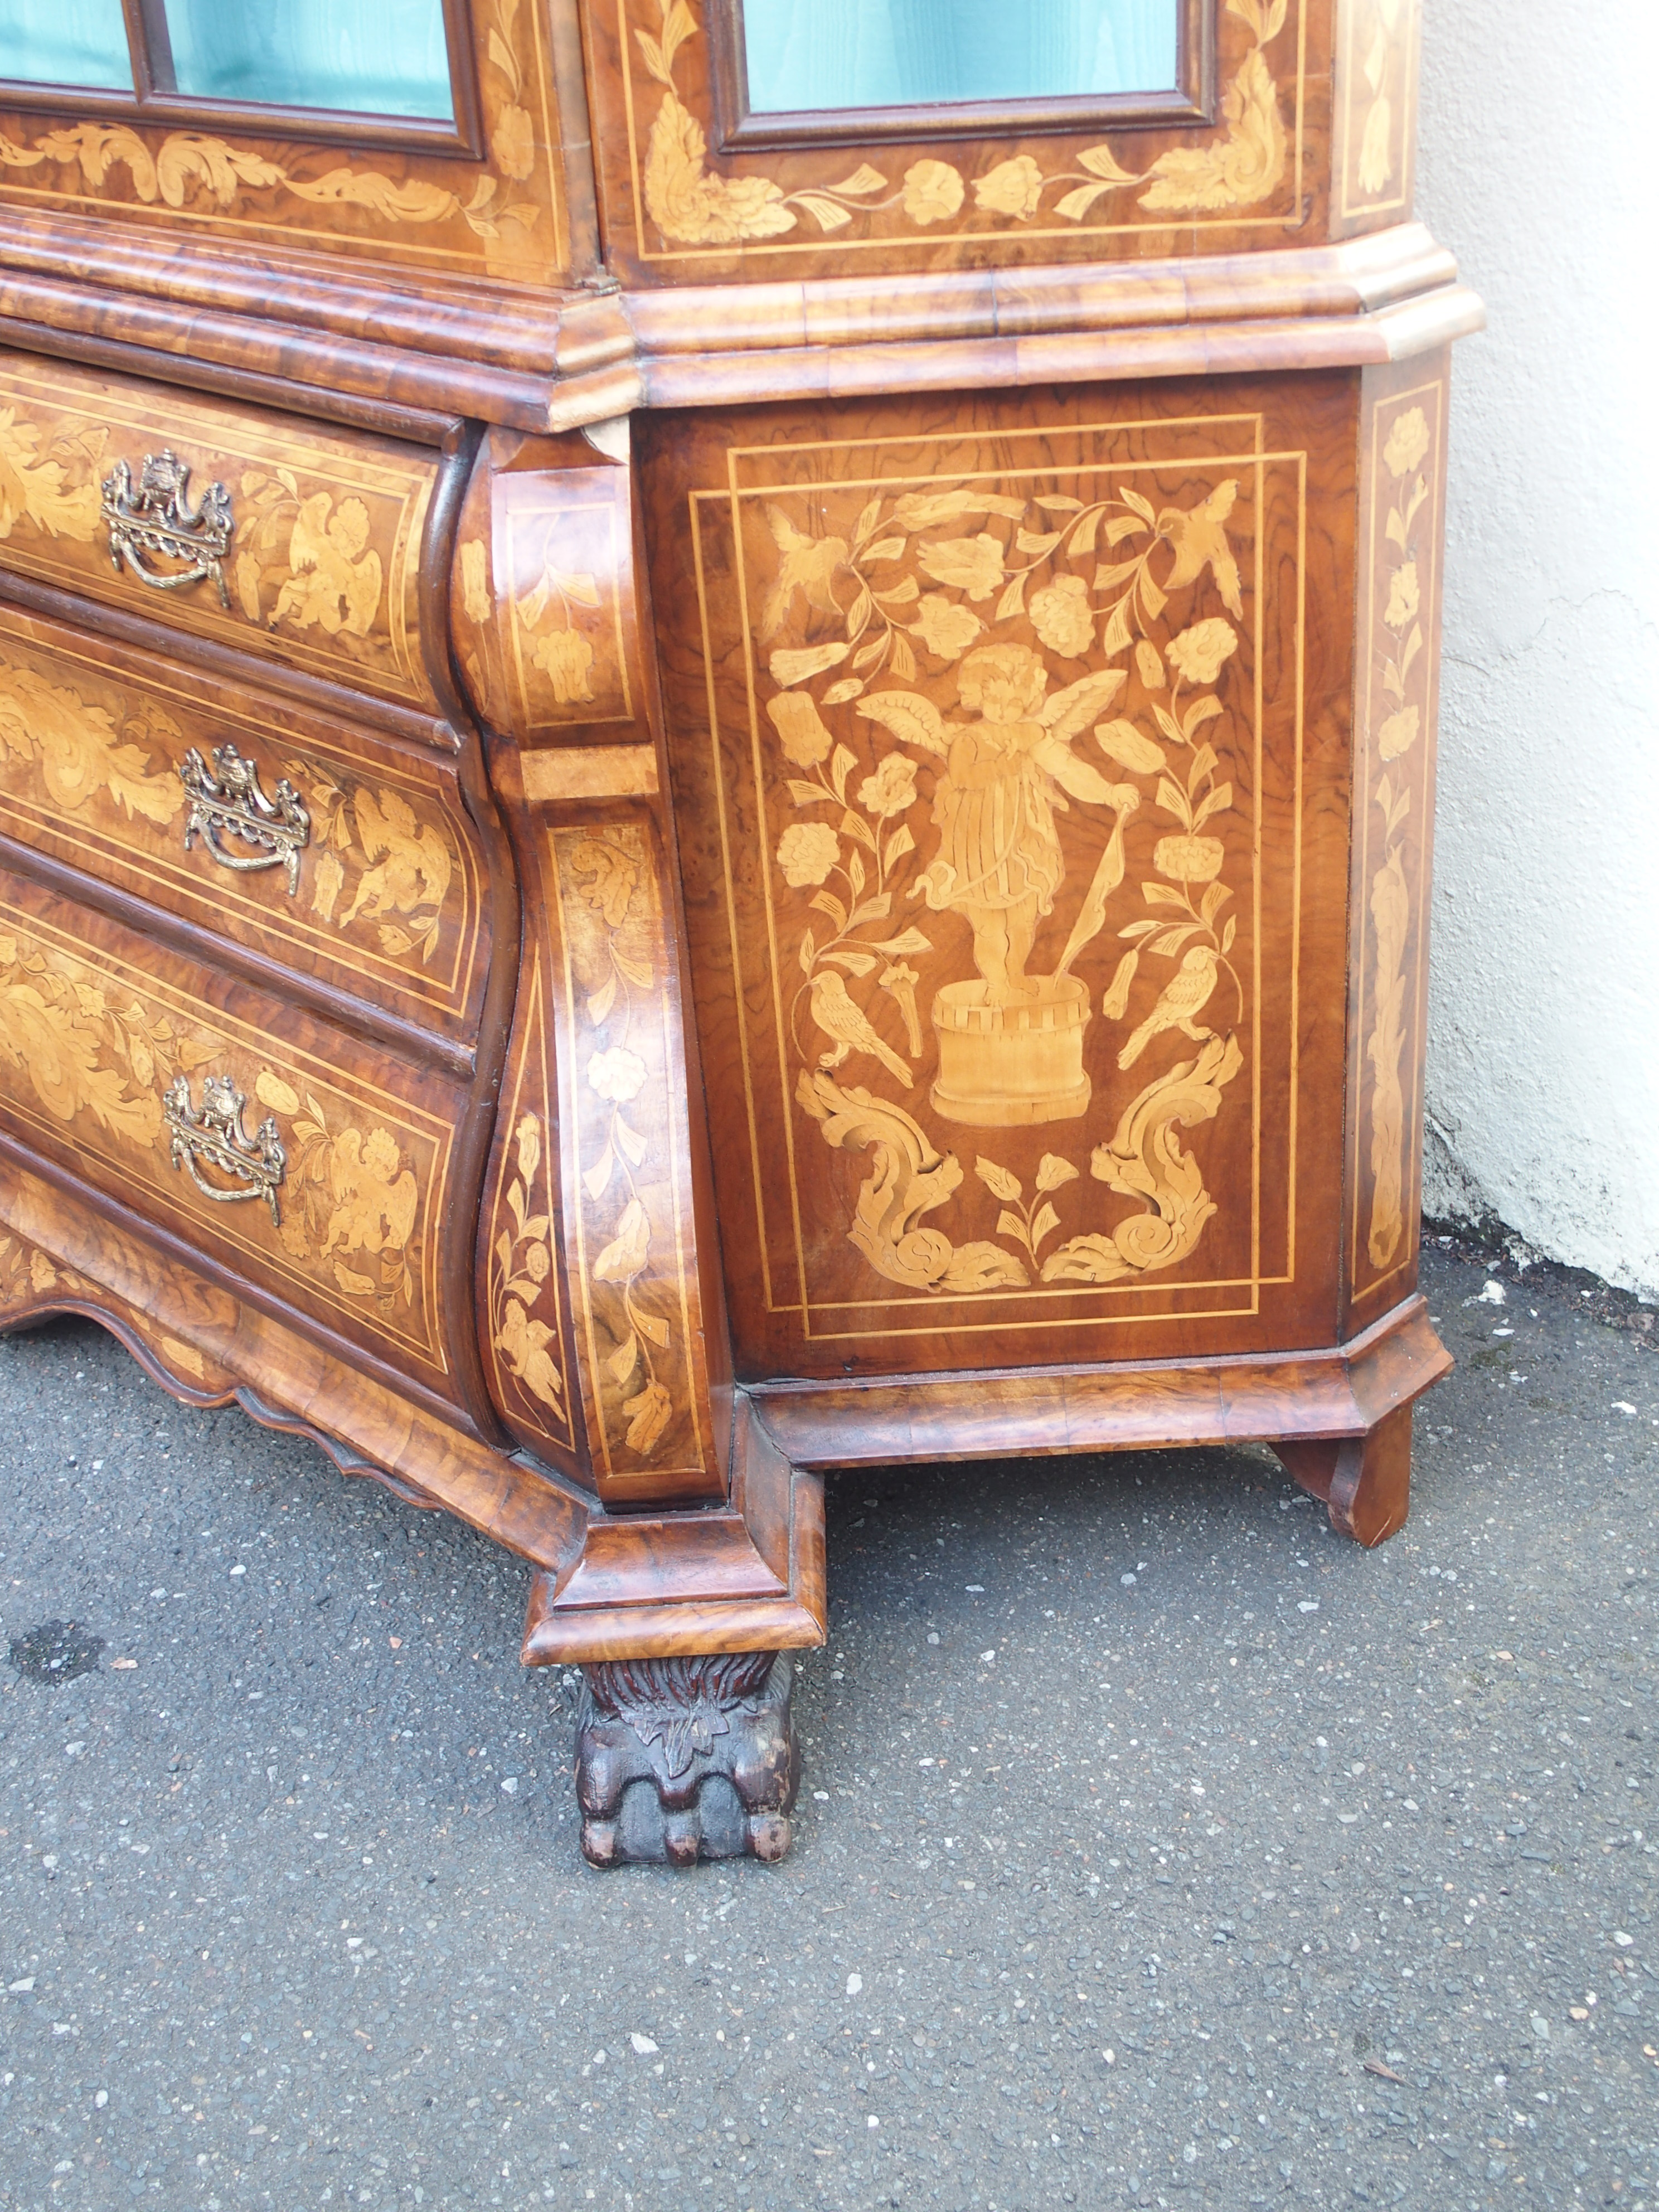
(214, 1135)
(225, 801)
(155, 519)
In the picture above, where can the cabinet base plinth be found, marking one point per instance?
(683, 1759)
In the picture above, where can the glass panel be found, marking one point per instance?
(360, 56)
(889, 53)
(65, 42)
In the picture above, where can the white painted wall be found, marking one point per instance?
(1535, 166)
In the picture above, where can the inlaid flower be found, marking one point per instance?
(1398, 734)
(806, 853)
(618, 1074)
(932, 191)
(800, 728)
(475, 582)
(1188, 859)
(568, 658)
(892, 789)
(1404, 597)
(973, 565)
(1376, 155)
(1012, 188)
(1198, 652)
(1065, 620)
(943, 626)
(513, 143)
(1408, 441)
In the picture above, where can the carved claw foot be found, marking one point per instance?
(1365, 1482)
(679, 1759)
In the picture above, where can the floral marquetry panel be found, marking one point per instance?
(1402, 521)
(311, 1170)
(502, 213)
(631, 1238)
(1001, 738)
(546, 620)
(1374, 140)
(523, 1318)
(680, 201)
(107, 751)
(310, 539)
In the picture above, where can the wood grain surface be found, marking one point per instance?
(679, 198)
(889, 603)
(97, 1024)
(323, 569)
(502, 212)
(389, 905)
(1402, 530)
(833, 729)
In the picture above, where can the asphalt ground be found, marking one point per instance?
(1155, 1847)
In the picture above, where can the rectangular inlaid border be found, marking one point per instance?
(586, 1240)
(1375, 123)
(308, 1291)
(1257, 459)
(449, 994)
(725, 235)
(1366, 1280)
(124, 409)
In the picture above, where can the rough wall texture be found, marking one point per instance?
(1543, 1085)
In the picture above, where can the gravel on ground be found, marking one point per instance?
(1155, 1847)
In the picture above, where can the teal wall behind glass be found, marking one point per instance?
(64, 42)
(887, 53)
(377, 56)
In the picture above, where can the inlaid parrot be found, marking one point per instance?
(838, 1016)
(1185, 993)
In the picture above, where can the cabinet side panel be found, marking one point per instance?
(599, 1299)
(1402, 501)
(1010, 749)
(1374, 114)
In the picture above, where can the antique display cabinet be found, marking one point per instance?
(716, 760)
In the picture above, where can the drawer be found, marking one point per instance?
(293, 542)
(365, 875)
(313, 1169)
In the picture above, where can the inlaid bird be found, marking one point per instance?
(1182, 996)
(837, 1016)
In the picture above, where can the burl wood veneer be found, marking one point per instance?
(627, 876)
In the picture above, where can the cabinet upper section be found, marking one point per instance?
(403, 63)
(714, 140)
(422, 133)
(815, 139)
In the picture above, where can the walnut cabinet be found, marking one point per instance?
(716, 760)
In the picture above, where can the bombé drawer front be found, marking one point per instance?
(295, 542)
(304, 1165)
(342, 857)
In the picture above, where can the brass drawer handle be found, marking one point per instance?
(155, 521)
(225, 800)
(215, 1136)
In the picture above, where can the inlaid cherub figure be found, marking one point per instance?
(1000, 864)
